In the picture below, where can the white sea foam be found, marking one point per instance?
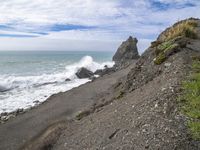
(23, 91)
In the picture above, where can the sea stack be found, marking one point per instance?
(126, 53)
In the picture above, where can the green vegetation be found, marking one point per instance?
(191, 100)
(170, 44)
(195, 129)
(164, 50)
(160, 59)
(166, 46)
(185, 29)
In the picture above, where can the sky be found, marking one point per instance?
(89, 25)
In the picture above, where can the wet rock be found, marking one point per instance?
(20, 110)
(36, 102)
(67, 79)
(84, 73)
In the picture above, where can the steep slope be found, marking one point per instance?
(144, 112)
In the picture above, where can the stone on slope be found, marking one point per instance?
(106, 70)
(84, 73)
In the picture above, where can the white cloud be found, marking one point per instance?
(115, 21)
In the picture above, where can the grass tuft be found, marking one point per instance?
(164, 50)
(172, 39)
(191, 100)
(195, 129)
(185, 29)
(160, 59)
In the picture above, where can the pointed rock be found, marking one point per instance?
(126, 53)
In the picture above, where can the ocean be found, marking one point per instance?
(28, 78)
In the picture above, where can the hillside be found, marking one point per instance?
(151, 102)
(145, 112)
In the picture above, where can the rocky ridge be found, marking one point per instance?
(126, 53)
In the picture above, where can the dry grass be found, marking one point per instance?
(185, 29)
(171, 41)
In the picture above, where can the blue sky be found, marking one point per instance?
(87, 24)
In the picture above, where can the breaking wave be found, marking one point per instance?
(23, 91)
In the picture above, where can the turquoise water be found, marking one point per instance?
(26, 77)
(38, 62)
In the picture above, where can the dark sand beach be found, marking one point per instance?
(59, 107)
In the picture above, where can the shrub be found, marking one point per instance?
(171, 43)
(184, 28)
(160, 59)
(189, 32)
(168, 45)
(164, 50)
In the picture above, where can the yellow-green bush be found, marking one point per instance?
(164, 50)
(160, 59)
(185, 29)
(169, 44)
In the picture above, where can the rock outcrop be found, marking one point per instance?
(126, 53)
(106, 70)
(84, 73)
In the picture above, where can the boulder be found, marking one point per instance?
(84, 73)
(126, 53)
(68, 79)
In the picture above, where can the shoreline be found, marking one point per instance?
(58, 107)
(6, 116)
(26, 89)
